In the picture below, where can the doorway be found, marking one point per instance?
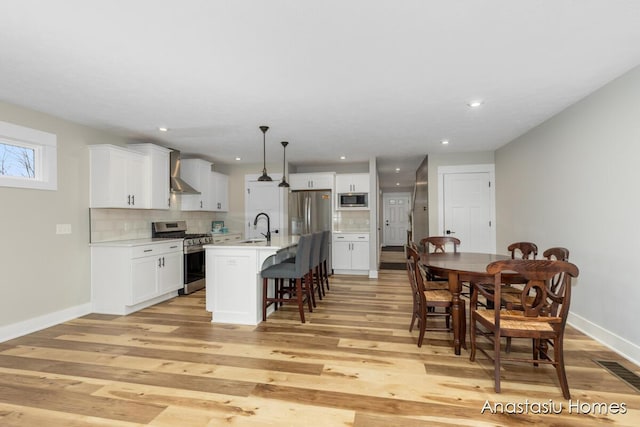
(466, 200)
(396, 207)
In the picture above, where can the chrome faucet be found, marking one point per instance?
(255, 223)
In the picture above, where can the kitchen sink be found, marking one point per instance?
(253, 241)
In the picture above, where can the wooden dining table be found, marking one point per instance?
(462, 267)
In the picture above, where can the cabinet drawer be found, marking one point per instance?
(351, 237)
(156, 249)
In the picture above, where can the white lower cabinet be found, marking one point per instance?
(350, 253)
(128, 276)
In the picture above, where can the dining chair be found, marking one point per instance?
(524, 250)
(440, 283)
(541, 319)
(511, 300)
(427, 302)
(520, 250)
(438, 244)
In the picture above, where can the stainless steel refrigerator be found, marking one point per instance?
(310, 211)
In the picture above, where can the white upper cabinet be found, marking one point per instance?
(197, 173)
(311, 181)
(352, 183)
(221, 194)
(157, 176)
(213, 187)
(117, 178)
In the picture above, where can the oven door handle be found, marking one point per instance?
(193, 249)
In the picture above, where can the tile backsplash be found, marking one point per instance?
(124, 224)
(357, 221)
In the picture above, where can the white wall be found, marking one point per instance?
(44, 277)
(572, 182)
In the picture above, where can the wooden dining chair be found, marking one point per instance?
(435, 244)
(429, 282)
(511, 300)
(523, 250)
(427, 302)
(541, 319)
(438, 244)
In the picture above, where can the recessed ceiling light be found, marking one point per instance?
(397, 183)
(238, 158)
(343, 157)
(163, 129)
(475, 103)
(397, 170)
(444, 141)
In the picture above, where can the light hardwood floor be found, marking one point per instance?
(353, 364)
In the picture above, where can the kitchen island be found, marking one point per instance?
(234, 285)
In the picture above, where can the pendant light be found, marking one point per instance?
(264, 176)
(284, 182)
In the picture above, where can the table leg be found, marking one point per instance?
(457, 314)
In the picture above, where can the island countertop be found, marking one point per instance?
(278, 241)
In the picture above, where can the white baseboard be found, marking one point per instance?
(15, 330)
(620, 345)
(373, 274)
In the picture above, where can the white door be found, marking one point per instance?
(263, 196)
(467, 209)
(396, 218)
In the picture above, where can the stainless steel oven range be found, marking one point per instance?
(194, 253)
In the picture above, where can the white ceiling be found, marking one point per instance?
(360, 78)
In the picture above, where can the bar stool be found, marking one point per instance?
(324, 256)
(297, 271)
(314, 266)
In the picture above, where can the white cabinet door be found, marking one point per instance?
(341, 259)
(221, 193)
(116, 177)
(170, 272)
(144, 284)
(157, 176)
(197, 173)
(311, 181)
(352, 183)
(136, 172)
(360, 255)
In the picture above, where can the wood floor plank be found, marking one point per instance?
(354, 363)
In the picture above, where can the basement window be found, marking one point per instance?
(28, 158)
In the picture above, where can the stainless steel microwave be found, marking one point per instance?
(353, 200)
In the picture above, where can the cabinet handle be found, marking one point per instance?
(163, 261)
(200, 204)
(133, 200)
(129, 200)
(173, 247)
(148, 250)
(159, 263)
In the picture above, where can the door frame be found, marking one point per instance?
(480, 168)
(390, 195)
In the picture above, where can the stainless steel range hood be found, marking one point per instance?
(176, 183)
